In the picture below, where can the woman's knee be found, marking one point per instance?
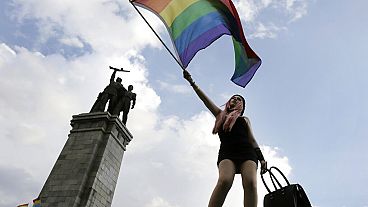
(249, 175)
(250, 183)
(226, 174)
(225, 182)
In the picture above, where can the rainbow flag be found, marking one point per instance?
(195, 24)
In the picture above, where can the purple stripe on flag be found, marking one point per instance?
(202, 42)
(198, 28)
(245, 78)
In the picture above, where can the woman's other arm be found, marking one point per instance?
(255, 145)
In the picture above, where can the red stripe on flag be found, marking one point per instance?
(157, 5)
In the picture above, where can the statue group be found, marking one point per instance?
(119, 98)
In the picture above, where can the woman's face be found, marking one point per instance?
(234, 100)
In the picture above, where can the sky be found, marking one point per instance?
(307, 103)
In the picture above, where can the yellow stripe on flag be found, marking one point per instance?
(174, 9)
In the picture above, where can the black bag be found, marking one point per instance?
(288, 196)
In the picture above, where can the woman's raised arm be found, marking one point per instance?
(207, 101)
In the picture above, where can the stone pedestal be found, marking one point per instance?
(86, 172)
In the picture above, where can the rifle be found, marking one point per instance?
(121, 69)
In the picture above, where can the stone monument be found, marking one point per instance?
(87, 169)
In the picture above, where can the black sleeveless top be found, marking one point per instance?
(235, 145)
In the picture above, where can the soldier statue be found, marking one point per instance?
(118, 97)
(124, 103)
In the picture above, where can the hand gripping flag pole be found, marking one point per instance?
(163, 43)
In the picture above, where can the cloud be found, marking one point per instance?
(6, 53)
(159, 202)
(73, 41)
(97, 22)
(266, 31)
(175, 88)
(248, 10)
(281, 14)
(297, 8)
(16, 183)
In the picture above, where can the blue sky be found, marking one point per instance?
(307, 103)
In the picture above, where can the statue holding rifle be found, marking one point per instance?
(110, 94)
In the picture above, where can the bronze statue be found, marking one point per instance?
(118, 97)
(124, 103)
(111, 93)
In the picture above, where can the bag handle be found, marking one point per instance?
(273, 177)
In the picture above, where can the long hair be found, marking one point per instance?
(227, 117)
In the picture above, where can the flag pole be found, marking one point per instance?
(180, 64)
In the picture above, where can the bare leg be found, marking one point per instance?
(224, 183)
(248, 172)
